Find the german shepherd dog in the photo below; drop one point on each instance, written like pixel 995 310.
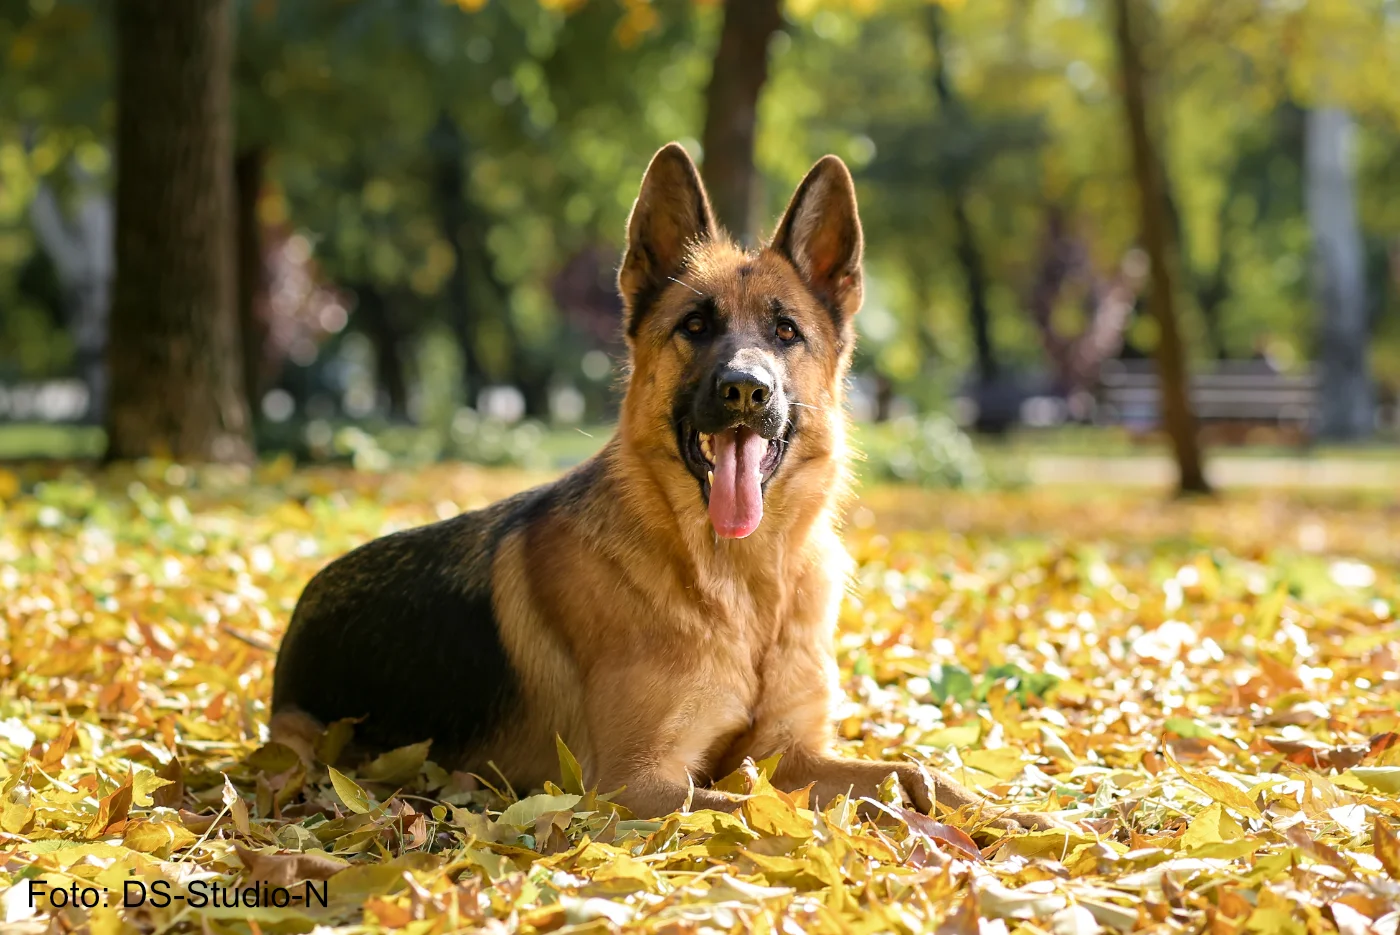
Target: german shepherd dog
pixel 668 607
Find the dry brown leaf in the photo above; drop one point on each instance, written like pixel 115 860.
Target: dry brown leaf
pixel 284 869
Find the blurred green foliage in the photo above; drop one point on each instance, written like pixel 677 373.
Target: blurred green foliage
pixel 551 109
pixel 931 451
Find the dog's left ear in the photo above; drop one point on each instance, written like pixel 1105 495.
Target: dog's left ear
pixel 820 234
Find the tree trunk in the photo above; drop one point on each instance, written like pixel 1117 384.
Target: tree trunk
pixel 1210 293
pixel 449 182
pixel 378 323
pixel 930 347
pixel 731 110
pixel 975 277
pixel 477 291
pixel 252 275
pixel 1173 380
pixel 968 252
pixel 176 380
pixel 1346 402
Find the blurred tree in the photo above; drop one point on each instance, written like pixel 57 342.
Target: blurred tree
pixel 1336 73
pixel 1173 379
pixel 968 252
pixel 376 314
pixel 251 275
pixel 942 193
pixel 465 294
pixel 292 111
pixel 1339 280
pixel 561 102
pixel 55 203
pixel 1107 302
pixel 176 377
pixel 737 78
pixel 81 250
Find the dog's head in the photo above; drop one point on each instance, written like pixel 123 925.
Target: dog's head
pixel 738 358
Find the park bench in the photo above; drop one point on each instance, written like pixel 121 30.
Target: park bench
pixel 1233 400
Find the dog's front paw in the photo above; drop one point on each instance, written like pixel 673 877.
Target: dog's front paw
pixel 1031 821
pixel 918 787
pixel 956 797
pixel 904 786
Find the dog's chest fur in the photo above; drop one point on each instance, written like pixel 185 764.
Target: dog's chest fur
pixel 735 616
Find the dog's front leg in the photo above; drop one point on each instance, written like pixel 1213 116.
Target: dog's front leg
pixel 646 733
pixel 649 794
pixel 921 786
pixel 858 779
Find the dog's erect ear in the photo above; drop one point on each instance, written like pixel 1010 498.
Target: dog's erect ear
pixel 671 214
pixel 820 234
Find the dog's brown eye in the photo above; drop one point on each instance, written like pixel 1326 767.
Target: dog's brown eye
pixel 786 331
pixel 694 325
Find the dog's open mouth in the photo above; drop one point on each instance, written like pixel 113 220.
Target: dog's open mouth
pixel 733 466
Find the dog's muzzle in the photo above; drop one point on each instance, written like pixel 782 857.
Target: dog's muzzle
pixel 734 441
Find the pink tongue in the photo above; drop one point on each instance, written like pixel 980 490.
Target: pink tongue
pixel 736 497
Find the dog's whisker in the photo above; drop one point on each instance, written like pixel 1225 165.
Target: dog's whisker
pixel 682 282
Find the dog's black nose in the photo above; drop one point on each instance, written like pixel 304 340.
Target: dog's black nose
pixel 746 390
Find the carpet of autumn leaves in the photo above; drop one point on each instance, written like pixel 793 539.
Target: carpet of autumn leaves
pixel 1207 693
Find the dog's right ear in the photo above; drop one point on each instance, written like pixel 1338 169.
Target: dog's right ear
pixel 672 213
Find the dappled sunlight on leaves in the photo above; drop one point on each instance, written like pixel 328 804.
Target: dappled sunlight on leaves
pixel 1206 694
